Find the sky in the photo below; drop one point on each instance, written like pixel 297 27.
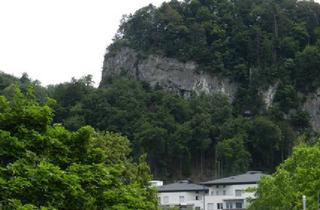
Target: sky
pixel 55 40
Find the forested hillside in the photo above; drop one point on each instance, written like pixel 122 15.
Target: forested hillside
pixel 257 45
pixel 254 43
pixel 197 137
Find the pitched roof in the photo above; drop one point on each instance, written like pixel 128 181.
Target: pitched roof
pixel 181 186
pixel 251 177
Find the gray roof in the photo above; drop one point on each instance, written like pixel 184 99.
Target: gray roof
pixel 251 177
pixel 181 186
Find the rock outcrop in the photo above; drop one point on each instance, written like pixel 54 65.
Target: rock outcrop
pixel 168 73
pixel 185 78
pixel 312 107
pixel 269 94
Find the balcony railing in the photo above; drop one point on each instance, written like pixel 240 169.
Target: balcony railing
pixel 234 209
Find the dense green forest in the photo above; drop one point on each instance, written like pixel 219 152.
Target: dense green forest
pixel 252 42
pixel 256 43
pixel 45 166
pixel 200 137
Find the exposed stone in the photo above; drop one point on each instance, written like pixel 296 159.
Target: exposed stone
pixel 185 78
pixel 268 95
pixel 312 107
pixel 169 73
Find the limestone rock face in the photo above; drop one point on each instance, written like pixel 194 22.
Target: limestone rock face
pixel 312 107
pixel 269 94
pixel 182 78
pixel 185 78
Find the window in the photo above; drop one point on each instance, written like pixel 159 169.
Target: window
pixel 224 192
pixel 238 192
pixel 165 199
pixel 229 205
pixel 212 192
pixel 198 197
pixel 159 199
pixel 238 205
pixel 217 192
pixel 210 206
pixel 181 199
pixel 219 205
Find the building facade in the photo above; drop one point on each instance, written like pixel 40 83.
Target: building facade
pixel 229 193
pixel 182 195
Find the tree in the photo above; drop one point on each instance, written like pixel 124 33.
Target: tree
pixel 234 155
pixel 297 176
pixel 48 167
pixel 307 69
pixel 264 141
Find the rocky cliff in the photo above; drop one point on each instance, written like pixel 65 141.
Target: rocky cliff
pixel 312 107
pixel 168 73
pixel 185 78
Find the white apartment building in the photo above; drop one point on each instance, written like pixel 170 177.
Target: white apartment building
pixel 156 183
pixel 228 193
pixel 182 194
pixel 231 192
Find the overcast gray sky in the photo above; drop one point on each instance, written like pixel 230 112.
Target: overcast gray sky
pixel 54 40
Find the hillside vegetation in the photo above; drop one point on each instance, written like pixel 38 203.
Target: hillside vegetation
pixel 254 43
pixel 74 146
pixel 45 166
pixel 199 137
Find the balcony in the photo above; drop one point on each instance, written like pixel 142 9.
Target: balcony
pixel 235 209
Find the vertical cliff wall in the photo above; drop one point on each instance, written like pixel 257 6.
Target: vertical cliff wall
pixel 169 73
pixel 185 78
pixel 312 107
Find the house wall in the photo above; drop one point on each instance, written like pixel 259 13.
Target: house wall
pixel 217 194
pixel 227 193
pixel 190 199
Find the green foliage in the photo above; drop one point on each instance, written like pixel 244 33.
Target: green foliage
pixel 173 131
pixel 181 137
pixel 297 176
pixel 307 69
pixel 222 35
pixel 8 82
pixel 286 98
pixel 253 42
pixel 22 114
pixel 48 167
pixel 234 155
pixel 264 143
